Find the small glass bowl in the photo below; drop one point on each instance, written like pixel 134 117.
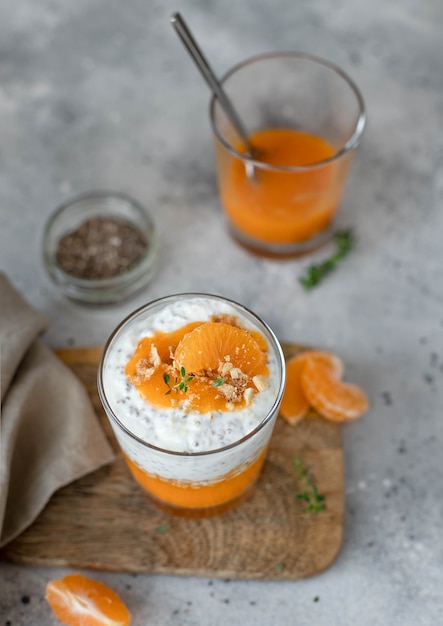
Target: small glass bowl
pixel 100 204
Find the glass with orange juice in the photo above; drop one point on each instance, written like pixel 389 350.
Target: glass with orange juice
pixel 304 118
pixel 192 385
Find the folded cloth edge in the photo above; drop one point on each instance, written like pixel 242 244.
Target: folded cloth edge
pixel 44 445
pixel 20 325
pixel 50 435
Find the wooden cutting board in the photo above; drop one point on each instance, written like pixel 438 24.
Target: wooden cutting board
pixel 103 521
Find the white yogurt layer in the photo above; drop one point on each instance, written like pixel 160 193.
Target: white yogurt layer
pixel 172 429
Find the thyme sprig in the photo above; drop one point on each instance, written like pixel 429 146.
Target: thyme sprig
pixel 179 384
pixel 315 501
pixel 218 382
pixel 345 241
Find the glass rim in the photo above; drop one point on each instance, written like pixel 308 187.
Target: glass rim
pixel 350 145
pixel 110 413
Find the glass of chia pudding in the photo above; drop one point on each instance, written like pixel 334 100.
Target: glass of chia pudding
pixel 192 385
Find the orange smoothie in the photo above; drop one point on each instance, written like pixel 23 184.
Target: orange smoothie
pixel 281 206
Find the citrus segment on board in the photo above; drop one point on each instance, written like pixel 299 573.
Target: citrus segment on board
pixel 332 398
pixel 295 404
pixel 313 379
pixel 81 601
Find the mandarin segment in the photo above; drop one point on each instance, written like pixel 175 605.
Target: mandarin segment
pixel 81 601
pixel 164 343
pixel 329 359
pixel 212 343
pixel 332 398
pixel 295 404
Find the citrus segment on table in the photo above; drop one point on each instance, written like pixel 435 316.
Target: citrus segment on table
pixel 295 404
pixel 81 601
pixel 206 366
pixel 332 398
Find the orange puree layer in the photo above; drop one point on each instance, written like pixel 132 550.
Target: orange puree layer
pixel 198 495
pixel 278 206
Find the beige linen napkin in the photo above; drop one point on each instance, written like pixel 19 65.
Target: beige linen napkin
pixel 49 433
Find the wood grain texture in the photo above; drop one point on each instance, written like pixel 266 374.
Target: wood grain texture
pixel 103 521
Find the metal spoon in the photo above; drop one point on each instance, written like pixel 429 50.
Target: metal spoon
pixel 200 60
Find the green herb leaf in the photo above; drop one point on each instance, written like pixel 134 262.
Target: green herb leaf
pixel 344 242
pixel 315 501
pixel 167 380
pixel 179 384
pixel 218 382
pixel 280 567
pixel 162 529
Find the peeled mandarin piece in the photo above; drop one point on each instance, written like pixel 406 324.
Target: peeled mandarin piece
pixel 212 343
pixel 329 359
pixel 295 404
pixel 81 601
pixel 331 397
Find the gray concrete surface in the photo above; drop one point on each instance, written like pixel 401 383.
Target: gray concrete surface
pixel 100 94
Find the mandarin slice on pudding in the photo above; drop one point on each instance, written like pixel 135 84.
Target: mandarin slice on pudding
pixel 211 366
pixel 226 362
pixel 215 343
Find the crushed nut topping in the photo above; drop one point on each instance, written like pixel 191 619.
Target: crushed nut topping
pixel 143 371
pixel 154 356
pixel 225 368
pixel 224 318
pixel 146 367
pixel 261 382
pixel 248 395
